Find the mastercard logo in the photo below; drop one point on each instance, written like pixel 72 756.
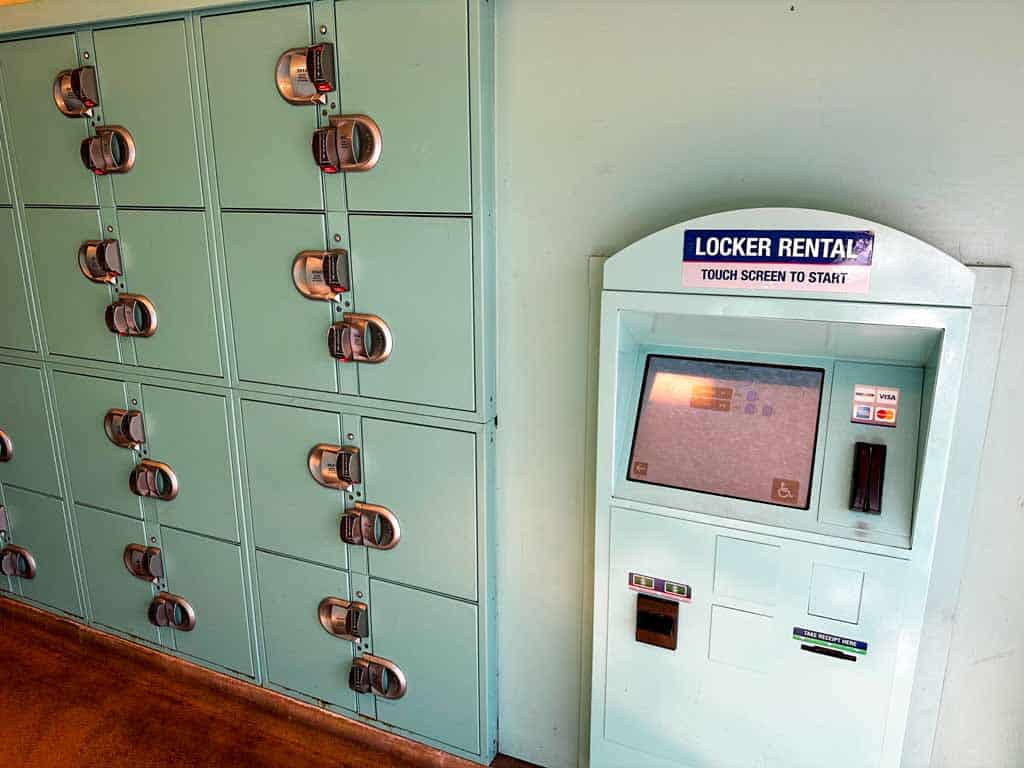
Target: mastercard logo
pixel 885 414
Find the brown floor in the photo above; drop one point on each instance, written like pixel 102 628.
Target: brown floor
pixel 76 697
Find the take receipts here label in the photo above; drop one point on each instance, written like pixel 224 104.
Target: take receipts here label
pixel 782 260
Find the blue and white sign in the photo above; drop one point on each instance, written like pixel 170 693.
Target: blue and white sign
pixel 833 261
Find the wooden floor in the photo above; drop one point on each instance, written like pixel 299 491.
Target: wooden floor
pixel 76 697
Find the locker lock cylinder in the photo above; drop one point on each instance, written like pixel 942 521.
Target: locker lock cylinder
pixel 125 429
pixel 381 677
pixel 144 563
pixel 322 275
pixel 153 480
pixel 306 75
pixel 131 315
pixel 6 446
pixel 100 260
pixel 360 338
pixel 344 619
pixel 172 611
pixel 75 92
pixel 111 150
pixel 370 525
pixel 18 562
pixel 335 466
pixel 349 144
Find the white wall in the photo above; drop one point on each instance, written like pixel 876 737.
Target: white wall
pixel 615 119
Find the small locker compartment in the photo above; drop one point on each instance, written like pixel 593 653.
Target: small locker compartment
pixel 431 683
pixel 146 88
pixel 38 550
pixel 400 62
pixel 167 258
pixel 73 305
pixel 426 478
pixel 104 434
pixel 123 570
pixel 291 513
pixel 416 275
pixel 261 142
pixel 280 335
pixel 45 144
pixel 188 475
pixel 27 457
pixel 311 628
pixel 16 329
pixel 205 605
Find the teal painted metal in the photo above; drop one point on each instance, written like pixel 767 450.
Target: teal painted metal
pixel 32 463
pixel 740 689
pixel 16 330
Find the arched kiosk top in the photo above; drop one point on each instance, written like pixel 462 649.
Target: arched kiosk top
pixel 881 264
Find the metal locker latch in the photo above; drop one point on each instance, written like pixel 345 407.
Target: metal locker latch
pixel 111 150
pixel 6 447
pixel 322 274
pixel 370 525
pixel 17 561
pixel 144 563
pixel 350 144
pixel 372 674
pixel 131 315
pixel 335 466
pixel 344 619
pixel 75 92
pixel 172 611
pixel 125 429
pixel 154 480
pixel 306 75
pixel 100 260
pixel 360 338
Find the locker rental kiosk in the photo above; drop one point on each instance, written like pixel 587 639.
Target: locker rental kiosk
pixel 780 404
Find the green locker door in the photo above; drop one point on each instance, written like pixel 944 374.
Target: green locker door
pixel 119 599
pixel 427 478
pixel 98 469
pixel 291 512
pixel 16 329
pixel 146 87
pixel 167 257
pixel 406 65
pixel 261 142
pixel 38 525
pixel 301 655
pixel 6 190
pixel 72 306
pixel 433 640
pixel 33 463
pixel 417 275
pixel 45 143
pixel 7 584
pixel 208 574
pixel 189 432
pixel 280 335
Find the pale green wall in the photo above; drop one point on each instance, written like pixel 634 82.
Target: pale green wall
pixel 615 119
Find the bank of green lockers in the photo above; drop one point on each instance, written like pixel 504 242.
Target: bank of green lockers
pixel 246 350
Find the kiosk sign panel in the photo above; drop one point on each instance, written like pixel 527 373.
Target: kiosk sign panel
pixel 737 429
pixel 792 260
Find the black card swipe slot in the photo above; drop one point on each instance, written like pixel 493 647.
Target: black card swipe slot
pixel 827 652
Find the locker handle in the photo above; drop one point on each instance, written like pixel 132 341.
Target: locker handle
pixel 322 275
pixel 111 150
pixel 172 611
pixel 154 480
pixel 124 429
pixel 144 562
pixel 100 260
pixel 370 525
pixel 131 315
pixel 75 92
pixel 344 619
pixel 306 75
pixel 360 338
pixel 376 675
pixel 17 561
pixel 6 447
pixel 335 466
pixel 349 144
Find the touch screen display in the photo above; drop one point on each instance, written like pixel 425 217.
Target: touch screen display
pixel 734 429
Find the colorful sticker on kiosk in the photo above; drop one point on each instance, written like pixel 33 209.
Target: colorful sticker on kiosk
pixel 824 640
pixel 831 261
pixel 651 585
pixel 875 405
